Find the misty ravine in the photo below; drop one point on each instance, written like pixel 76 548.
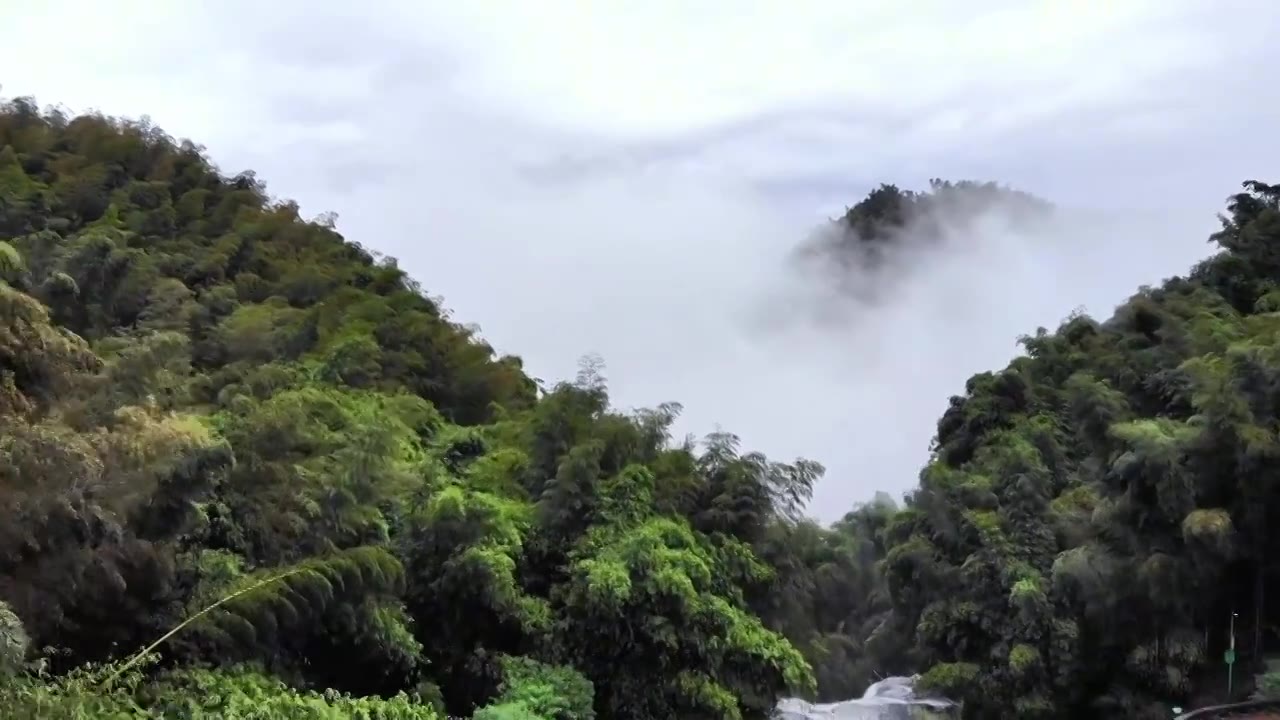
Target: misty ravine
pixel 250 469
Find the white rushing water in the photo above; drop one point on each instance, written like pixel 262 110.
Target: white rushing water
pixel 892 698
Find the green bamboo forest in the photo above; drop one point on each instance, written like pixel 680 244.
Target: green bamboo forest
pixel 249 469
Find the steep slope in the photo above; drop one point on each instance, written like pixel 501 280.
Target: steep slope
pixel 216 412
pixel 1095 513
pixel 1130 467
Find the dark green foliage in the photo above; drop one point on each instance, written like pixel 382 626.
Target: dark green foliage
pixel 221 420
pixel 1097 511
pixel 873 230
pixel 232 434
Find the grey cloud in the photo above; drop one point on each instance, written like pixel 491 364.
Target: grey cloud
pixel 659 254
pixel 559 244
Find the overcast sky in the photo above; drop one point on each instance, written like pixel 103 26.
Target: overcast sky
pixel 624 178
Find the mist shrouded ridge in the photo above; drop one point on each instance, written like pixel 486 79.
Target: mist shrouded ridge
pixel 875 318
pixel 880 244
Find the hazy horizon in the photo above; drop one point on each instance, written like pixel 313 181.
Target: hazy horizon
pixel 629 180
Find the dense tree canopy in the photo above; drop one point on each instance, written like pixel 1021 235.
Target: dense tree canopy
pixel 219 414
pixel 229 429
pixel 1093 515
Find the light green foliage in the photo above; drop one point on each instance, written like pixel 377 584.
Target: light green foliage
pixel 263 332
pixel 634 561
pixel 987 523
pixel 531 690
pixel 949 678
pixel 240 693
pixel 318 466
pixel 11 264
pixel 232 694
pixel 1023 658
pixel 1210 527
pixel 14 642
pixel 485 534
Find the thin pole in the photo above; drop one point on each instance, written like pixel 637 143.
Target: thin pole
pixel 243 591
pixel 1231 666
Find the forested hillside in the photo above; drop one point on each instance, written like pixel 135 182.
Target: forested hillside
pixel 204 399
pixel 1093 515
pixel 221 419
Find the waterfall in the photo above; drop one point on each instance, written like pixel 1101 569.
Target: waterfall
pixel 892 698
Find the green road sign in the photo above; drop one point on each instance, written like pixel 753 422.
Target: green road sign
pixel 1229 657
